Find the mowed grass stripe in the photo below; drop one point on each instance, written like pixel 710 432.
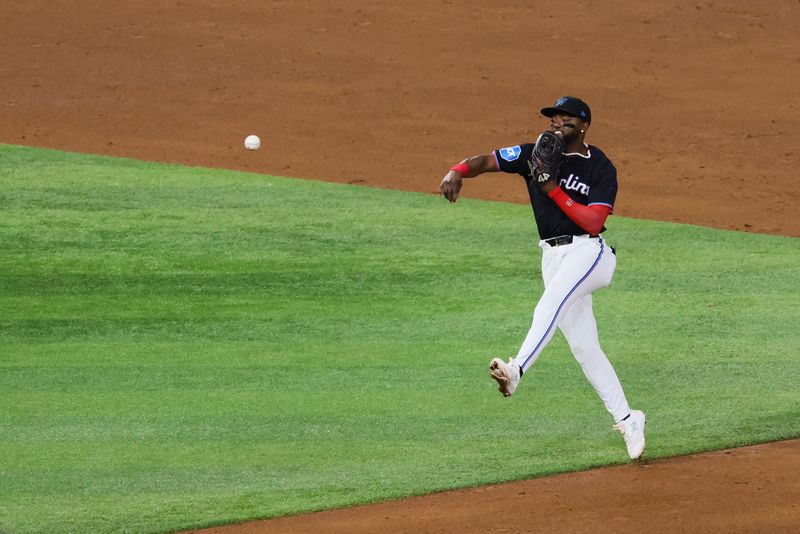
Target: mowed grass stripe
pixel 185 347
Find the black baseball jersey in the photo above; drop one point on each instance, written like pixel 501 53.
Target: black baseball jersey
pixel 588 180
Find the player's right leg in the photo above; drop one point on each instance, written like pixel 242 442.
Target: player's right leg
pixel 580 330
pixel 570 272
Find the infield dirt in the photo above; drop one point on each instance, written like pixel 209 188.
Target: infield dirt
pixel 694 101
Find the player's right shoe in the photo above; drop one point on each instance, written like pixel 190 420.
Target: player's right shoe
pixel 506 374
pixel 632 429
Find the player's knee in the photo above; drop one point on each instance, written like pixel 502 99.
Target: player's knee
pixel 585 353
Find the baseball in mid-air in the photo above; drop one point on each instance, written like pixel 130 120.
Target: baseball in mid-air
pixel 252 142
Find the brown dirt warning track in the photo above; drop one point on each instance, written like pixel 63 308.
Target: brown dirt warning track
pixel 696 102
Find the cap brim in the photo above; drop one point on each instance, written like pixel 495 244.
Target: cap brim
pixel 549 112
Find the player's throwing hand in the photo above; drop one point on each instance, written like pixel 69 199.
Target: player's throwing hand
pixel 451 185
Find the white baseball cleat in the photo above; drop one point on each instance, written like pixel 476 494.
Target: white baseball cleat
pixel 506 374
pixel 632 430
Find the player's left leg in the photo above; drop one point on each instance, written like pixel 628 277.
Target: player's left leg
pixel 580 329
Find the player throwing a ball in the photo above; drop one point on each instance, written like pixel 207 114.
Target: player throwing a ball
pixel 572 188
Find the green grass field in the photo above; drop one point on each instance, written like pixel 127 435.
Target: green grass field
pixel 183 347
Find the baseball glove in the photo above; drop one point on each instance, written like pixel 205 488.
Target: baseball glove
pixel 546 156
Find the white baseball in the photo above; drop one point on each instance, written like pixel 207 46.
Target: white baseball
pixel 252 142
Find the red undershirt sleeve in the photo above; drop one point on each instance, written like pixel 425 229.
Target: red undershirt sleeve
pixel 590 218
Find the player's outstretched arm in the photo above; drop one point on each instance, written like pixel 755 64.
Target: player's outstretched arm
pixel 469 168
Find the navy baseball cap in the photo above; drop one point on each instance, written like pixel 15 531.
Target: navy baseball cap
pixel 569 105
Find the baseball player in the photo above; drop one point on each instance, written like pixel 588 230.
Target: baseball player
pixel 572 190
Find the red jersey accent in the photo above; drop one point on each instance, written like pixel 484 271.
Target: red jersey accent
pixel 590 218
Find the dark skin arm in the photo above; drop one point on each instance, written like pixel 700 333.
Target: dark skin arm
pixel 477 165
pixel 573 130
pixel 548 186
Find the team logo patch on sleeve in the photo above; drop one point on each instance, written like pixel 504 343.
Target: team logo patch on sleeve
pixel 510 153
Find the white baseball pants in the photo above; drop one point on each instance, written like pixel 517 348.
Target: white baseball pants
pixel 571 273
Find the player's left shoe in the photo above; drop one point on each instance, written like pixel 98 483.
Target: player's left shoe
pixel 506 374
pixel 632 429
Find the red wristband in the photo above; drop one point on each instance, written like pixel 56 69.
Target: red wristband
pixel 462 168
